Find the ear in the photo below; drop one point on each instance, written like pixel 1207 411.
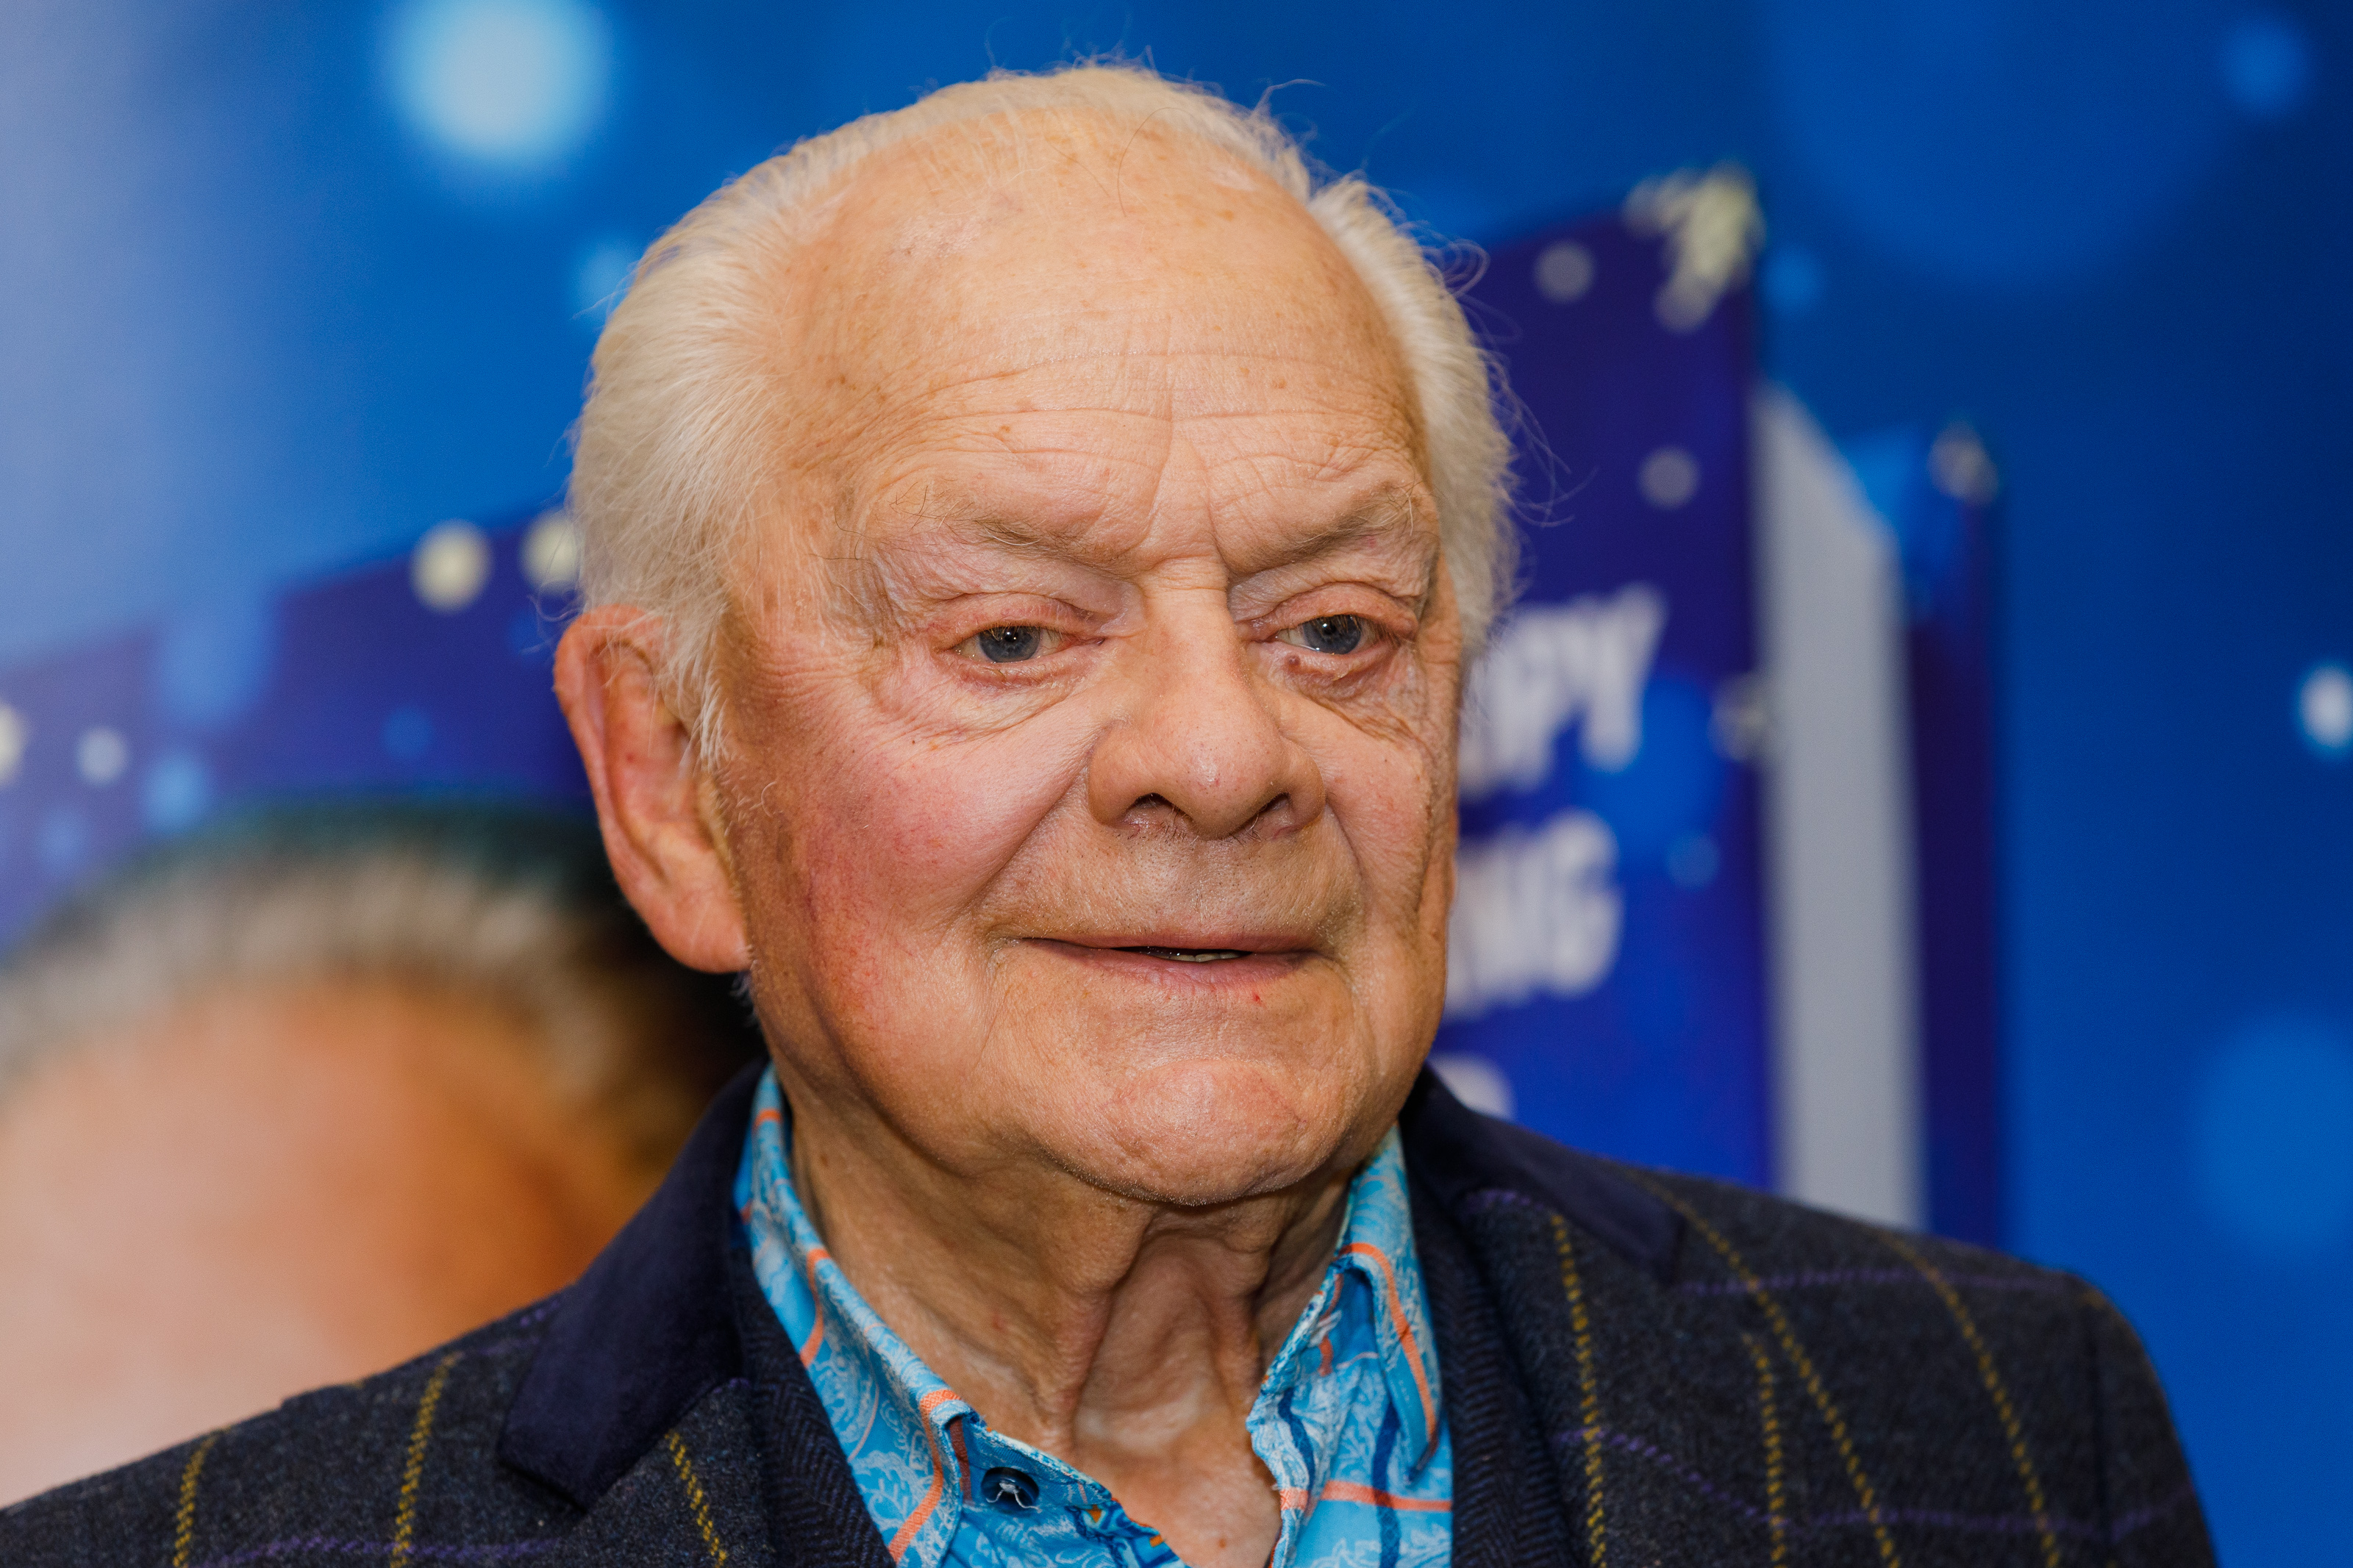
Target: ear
pixel 660 821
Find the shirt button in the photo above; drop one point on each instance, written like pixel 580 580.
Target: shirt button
pixel 1010 1489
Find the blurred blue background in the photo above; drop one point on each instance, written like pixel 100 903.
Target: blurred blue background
pixel 285 285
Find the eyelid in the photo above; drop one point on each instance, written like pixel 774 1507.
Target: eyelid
pixel 1383 615
pixel 969 616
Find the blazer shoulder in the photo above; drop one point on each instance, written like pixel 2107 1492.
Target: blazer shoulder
pixel 2022 1368
pixel 1950 1393
pixel 1730 1229
pixel 352 1465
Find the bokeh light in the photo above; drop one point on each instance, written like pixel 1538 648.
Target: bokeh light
pixel 176 792
pixel 449 565
pixel 2274 1139
pixel 515 84
pixel 1564 271
pixel 101 755
pixel 600 275
pixel 1668 477
pixel 1992 144
pixel 550 552
pixel 1792 280
pixel 2267 65
pixel 2324 709
pixel 15 736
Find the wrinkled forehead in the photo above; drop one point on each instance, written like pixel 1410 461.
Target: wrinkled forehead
pixel 1024 262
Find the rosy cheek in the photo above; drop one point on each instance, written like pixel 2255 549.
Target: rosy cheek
pixel 915 828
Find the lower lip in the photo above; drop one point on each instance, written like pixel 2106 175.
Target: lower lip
pixel 1251 969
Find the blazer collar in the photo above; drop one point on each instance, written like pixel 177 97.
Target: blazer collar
pixel 647 1330
pixel 651 1327
pixel 1462 1156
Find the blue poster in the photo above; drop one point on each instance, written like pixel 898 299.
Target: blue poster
pixel 1607 980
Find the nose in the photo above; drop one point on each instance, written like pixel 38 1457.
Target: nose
pixel 1199 739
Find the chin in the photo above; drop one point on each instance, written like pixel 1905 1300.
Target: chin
pixel 1199 1133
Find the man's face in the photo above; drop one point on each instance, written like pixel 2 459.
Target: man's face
pixel 1090 679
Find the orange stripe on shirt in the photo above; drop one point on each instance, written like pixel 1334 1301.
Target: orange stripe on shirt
pixel 932 1494
pixel 1349 1491
pixel 1404 1333
pixel 817 1307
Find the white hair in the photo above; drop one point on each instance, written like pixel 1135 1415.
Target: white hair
pixel 682 407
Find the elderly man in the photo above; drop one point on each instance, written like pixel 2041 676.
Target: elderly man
pixel 1034 539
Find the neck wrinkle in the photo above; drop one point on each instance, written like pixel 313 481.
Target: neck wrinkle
pixel 1066 1330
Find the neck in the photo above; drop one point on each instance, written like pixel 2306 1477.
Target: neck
pixel 1128 1338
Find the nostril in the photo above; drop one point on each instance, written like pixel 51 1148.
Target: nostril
pixel 1152 803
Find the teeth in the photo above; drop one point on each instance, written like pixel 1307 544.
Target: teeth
pixel 1189 954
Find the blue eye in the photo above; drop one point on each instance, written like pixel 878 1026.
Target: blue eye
pixel 1329 634
pixel 1010 645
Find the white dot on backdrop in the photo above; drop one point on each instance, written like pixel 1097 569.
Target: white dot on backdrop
pixel 1959 466
pixel 15 736
pixel 449 565
pixel 1475 1081
pixel 1564 271
pixel 516 83
pixel 2324 707
pixel 550 552
pixel 101 755
pixel 1668 477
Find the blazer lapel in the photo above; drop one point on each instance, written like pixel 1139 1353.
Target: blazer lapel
pixel 1507 1499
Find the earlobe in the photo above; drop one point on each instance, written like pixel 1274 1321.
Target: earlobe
pixel 648 786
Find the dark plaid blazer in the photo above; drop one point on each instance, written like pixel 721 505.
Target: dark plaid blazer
pixel 1640 1368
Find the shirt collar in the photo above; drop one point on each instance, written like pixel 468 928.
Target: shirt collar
pixel 1377 1248
pixel 921 1454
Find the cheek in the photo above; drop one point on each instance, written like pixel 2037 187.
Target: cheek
pixel 1393 798
pixel 886 841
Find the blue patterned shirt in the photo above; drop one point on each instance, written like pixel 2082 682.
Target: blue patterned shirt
pixel 1348 1420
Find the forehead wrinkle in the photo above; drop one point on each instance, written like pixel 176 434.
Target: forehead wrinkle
pixel 1387 526
pixel 965 520
pixel 882 262
pixel 887 348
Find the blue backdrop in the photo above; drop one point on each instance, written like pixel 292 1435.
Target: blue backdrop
pixel 286 285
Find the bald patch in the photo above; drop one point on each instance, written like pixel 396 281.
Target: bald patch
pixel 949 269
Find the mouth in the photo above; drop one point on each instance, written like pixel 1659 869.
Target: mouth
pixel 1190 955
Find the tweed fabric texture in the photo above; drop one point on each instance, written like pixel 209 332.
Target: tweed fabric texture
pixel 1638 1369
pixel 1816 1391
